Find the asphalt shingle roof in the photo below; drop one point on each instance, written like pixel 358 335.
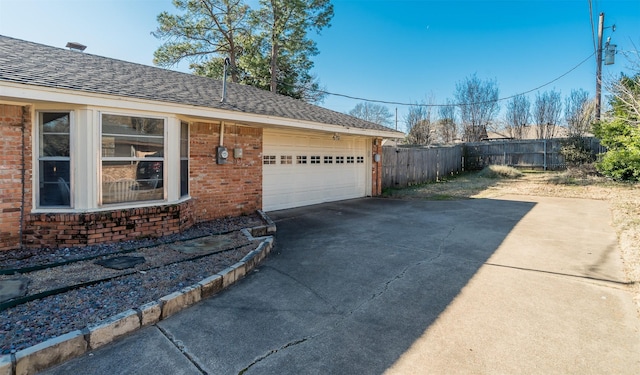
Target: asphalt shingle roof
pixel 40 65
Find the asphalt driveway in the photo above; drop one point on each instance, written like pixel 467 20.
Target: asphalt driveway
pixel 372 286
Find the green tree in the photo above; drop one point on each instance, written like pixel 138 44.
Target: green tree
pixel 268 48
pixel 620 132
pixel 282 28
pixel 205 34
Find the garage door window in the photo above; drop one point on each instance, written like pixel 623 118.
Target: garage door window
pixel 301 160
pixel 328 159
pixel 315 160
pixel 339 159
pixel 360 159
pixel 286 159
pixel 268 159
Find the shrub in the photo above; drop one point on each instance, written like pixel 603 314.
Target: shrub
pixel 575 152
pixel 621 164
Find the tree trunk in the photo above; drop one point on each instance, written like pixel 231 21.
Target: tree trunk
pixel 274 66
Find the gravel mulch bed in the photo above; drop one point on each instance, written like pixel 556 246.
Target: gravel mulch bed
pixel 33 322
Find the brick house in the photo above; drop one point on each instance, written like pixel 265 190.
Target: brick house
pixel 98 150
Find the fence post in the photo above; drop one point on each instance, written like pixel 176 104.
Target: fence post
pixel 545 155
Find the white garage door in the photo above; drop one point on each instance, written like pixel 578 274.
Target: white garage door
pixel 300 169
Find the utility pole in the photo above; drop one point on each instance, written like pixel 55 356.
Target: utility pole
pixel 396 118
pixel 599 66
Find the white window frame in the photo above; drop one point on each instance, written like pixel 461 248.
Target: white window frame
pixel 37 127
pixel 182 158
pixel 85 161
pixel 165 158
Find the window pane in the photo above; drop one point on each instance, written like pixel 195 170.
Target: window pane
pixel 184 177
pixel 184 159
pixel 54 134
pixel 130 181
pixel 54 183
pixel 132 147
pixel 54 145
pixel 184 140
pixel 131 137
pixel 55 122
pixel 138 143
pixel 129 125
pixel 54 159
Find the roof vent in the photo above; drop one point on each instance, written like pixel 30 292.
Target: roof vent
pixel 73 46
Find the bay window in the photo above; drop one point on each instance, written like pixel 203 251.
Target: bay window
pixel 85 159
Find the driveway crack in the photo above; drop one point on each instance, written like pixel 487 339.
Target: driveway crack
pixel 272 352
pixel 180 346
pixel 400 275
pixel 316 294
pixel 438 254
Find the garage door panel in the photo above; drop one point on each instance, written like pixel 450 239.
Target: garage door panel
pixel 293 185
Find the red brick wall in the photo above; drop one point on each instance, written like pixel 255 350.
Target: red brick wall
pixel 217 191
pixel 81 229
pixel 231 189
pixel 13 119
pixel 376 173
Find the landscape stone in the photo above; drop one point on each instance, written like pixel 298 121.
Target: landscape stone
pixel 5 365
pixel 112 328
pixel 174 302
pixel 121 263
pixel 149 313
pixel 202 245
pixel 51 352
pixel 210 285
pixel 12 288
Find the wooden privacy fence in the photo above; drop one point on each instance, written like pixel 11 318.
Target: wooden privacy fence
pixel 532 153
pixel 405 166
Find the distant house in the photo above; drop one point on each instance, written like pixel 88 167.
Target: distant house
pixel 100 150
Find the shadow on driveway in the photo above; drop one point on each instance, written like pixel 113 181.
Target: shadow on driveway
pixel 351 285
pixel 372 286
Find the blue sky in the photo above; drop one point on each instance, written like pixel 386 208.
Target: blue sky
pixel 395 51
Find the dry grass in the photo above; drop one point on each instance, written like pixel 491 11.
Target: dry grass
pixel 624 200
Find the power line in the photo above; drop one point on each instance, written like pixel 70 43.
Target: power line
pixel 593 28
pixel 456 104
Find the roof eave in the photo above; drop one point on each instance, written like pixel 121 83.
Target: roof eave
pixel 23 93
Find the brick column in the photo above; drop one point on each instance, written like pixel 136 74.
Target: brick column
pixel 376 173
pixel 13 154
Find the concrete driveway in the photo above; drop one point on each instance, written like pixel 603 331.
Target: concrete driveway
pixel 372 286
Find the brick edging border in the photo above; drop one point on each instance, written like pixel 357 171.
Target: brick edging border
pixel 76 343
